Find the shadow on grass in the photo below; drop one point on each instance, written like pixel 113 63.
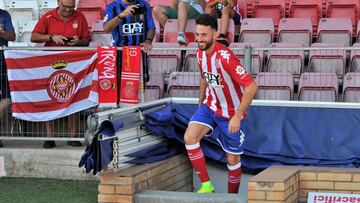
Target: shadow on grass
pixel 38 190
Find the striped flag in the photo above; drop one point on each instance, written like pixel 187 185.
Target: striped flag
pixel 46 85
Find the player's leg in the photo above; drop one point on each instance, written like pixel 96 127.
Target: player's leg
pixel 232 144
pixel 199 126
pixel 234 172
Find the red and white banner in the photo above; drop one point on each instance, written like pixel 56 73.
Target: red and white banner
pixel 46 85
pixel 107 77
pixel 130 75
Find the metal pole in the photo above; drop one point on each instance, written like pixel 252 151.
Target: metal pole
pixel 248 58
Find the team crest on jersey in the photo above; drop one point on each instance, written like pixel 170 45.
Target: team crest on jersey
pixel 225 54
pixel 212 79
pixel 240 70
pixel 61 86
pixel 75 25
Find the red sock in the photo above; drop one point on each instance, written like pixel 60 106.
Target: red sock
pixel 197 159
pixel 234 176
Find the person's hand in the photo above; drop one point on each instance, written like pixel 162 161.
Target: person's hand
pixel 223 2
pixel 129 10
pixel 58 39
pixel 234 124
pixel 146 45
pixel 74 41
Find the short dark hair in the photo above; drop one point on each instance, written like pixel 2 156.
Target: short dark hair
pixel 207 20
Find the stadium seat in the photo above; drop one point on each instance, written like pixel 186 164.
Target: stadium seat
pixel 160 3
pixel 343 9
pixel 164 61
pixel 355 59
pixel 25 32
pixel 92 14
pixel 328 60
pixel 274 9
pixel 157 31
pixel 337 30
pixel 257 30
pixel 297 30
pixel 91 4
pixel 47 5
pixel 318 87
pixel 171 30
pixel 351 87
pixel 23 9
pixel 274 86
pixel 257 56
pixel 249 5
pixel 358 32
pixel 184 84
pixel 289 61
pixel 190 63
pixel 242 8
pixel 154 89
pixel 231 30
pixel 307 9
pixel 98 36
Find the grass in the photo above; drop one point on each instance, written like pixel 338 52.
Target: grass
pixel 38 190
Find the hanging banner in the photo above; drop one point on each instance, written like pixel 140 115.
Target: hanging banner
pixel 130 75
pixel 107 77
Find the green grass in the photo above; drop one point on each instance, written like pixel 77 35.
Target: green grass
pixel 39 190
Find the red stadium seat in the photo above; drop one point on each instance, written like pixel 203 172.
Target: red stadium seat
pixel 328 60
pixel 190 63
pixel 351 87
pixel 289 61
pixel 256 56
pixel 242 8
pixel 92 4
pixel 160 3
pixel 164 61
pixel 355 59
pixel 171 30
pixel 337 30
pixel 184 84
pixel 154 89
pixel 98 36
pixel 257 30
pixel 274 86
pixel 343 9
pixel 92 14
pixel 297 30
pixel 318 87
pixel 307 9
pixel 274 9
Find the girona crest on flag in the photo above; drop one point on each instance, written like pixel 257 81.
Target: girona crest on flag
pixel 61 86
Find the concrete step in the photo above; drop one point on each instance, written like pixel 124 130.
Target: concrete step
pixel 29 159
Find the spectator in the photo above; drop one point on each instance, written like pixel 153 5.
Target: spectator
pixel 181 10
pixel 121 15
pixel 223 9
pixel 62 26
pixel 7 34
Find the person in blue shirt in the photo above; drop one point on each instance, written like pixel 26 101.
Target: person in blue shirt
pixel 131 24
pixel 7 34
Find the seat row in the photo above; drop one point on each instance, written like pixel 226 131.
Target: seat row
pixel 271 86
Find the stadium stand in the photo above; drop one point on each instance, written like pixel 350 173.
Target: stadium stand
pixel 297 30
pixel 154 89
pixel 337 30
pixel 25 32
pixel 274 86
pixel 307 9
pixel 171 30
pixel 184 84
pixel 274 9
pixel 257 56
pixel 164 61
pixel 47 5
pixel 318 87
pixel 327 61
pixel 157 36
pixel 91 14
pixel 241 7
pixel 92 4
pixel 351 87
pixel 290 61
pixel 231 30
pixel 343 9
pixel 257 30
pixel 98 36
pixel 190 61
pixel 2 5
pixel 160 3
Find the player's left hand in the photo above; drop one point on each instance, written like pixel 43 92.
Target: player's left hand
pixel 147 46
pixel 74 41
pixel 234 124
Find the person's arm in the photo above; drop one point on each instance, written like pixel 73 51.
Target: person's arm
pixel 147 45
pixel 112 23
pixel 231 3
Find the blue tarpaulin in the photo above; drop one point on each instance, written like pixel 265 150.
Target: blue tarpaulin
pixel 277 135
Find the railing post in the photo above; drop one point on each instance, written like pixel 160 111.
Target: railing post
pixel 248 58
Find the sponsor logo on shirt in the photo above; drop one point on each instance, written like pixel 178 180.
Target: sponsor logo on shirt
pixel 212 79
pixel 133 29
pixel 240 70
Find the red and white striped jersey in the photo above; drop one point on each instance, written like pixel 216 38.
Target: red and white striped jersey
pixel 225 77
